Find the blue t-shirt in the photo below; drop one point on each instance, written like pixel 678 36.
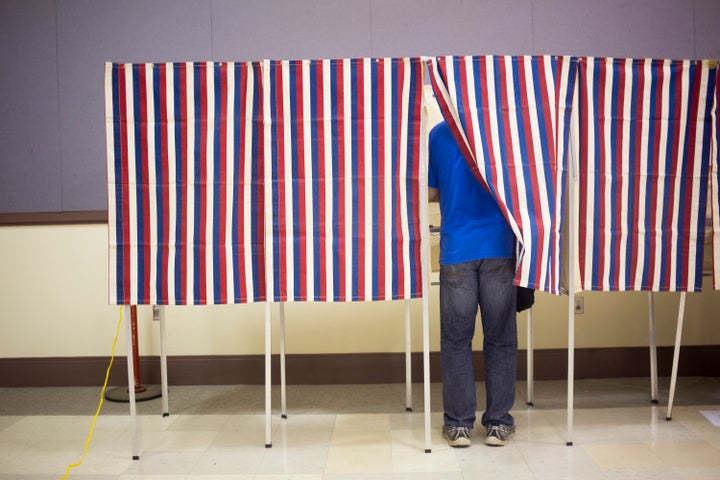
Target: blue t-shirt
pixel 473 227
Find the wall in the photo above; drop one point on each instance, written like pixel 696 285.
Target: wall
pixel 54 304
pixel 52 138
pixel 53 279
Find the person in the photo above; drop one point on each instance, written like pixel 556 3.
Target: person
pixel 477 267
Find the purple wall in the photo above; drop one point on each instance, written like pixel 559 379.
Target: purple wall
pixel 52 133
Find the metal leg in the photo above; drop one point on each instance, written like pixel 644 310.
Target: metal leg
pixel 408 360
pixel 530 364
pixel 425 259
pixel 653 350
pixel 268 375
pixel 131 385
pixel 572 190
pixel 676 355
pixel 571 368
pixel 163 360
pixel 426 370
pixel 283 396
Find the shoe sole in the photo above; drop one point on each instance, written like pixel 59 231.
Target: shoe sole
pixel 459 443
pixel 496 442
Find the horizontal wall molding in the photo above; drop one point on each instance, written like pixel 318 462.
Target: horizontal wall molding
pixel 346 368
pixel 54 218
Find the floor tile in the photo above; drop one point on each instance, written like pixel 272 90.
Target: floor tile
pixel 359 476
pixel 642 474
pixel 359 432
pixel 361 443
pixel 408 454
pixel 696 473
pixel 227 462
pixel 294 459
pixel 165 463
pixel 687 454
pixel 369 453
pixel 616 456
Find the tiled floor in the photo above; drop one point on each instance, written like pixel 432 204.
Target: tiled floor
pixel 360 432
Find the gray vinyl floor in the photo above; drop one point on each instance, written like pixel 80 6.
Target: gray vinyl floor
pixel 361 432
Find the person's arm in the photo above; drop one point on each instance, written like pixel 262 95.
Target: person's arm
pixel 433 194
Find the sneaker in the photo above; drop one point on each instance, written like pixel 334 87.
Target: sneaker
pixel 458 437
pixel 499 435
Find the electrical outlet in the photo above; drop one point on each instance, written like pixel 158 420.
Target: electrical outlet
pixel 579 305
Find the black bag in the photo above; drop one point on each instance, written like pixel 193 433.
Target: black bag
pixel 525 298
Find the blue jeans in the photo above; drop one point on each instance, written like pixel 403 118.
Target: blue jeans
pixel 487 283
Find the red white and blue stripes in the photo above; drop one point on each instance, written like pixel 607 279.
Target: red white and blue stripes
pixel 185 192
pixel 511 117
pixel 300 180
pixel 272 181
pixel 644 154
pixel 343 178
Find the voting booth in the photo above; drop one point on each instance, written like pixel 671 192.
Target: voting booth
pixel 305 181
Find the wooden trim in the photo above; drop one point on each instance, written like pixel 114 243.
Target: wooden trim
pixel 53 218
pixel 347 368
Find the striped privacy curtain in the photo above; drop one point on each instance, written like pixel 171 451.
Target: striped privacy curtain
pixel 185 192
pixel 644 153
pixel 342 142
pixel 511 117
pixel 281 181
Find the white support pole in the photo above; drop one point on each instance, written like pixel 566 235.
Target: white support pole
pixel 268 255
pixel 131 385
pixel 571 368
pixel 426 363
pixel 163 360
pixel 408 359
pixel 425 269
pixel 530 363
pixel 268 376
pixel 283 392
pixel 653 350
pixel 676 355
pixel 572 245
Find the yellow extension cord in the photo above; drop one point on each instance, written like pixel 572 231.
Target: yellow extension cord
pixel 102 396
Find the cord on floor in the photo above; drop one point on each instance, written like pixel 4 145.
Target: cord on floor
pixel 102 396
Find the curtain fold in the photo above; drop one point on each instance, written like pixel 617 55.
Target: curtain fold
pixel 511 118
